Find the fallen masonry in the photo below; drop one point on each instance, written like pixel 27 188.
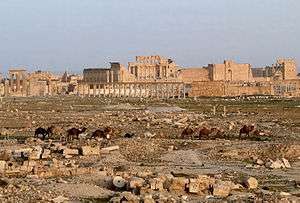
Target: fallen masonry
pixel 166 188
pixel 49 159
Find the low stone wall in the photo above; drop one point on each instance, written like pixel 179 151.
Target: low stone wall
pixel 220 88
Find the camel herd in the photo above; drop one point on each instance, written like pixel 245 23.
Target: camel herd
pixel 206 132
pixel 108 132
pixel 72 133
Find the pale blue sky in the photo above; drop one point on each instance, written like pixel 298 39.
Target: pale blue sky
pixel 72 34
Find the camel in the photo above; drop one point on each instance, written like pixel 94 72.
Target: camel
pixel 98 133
pixel 107 132
pixel 41 131
pixel 205 132
pixel 74 132
pixel 246 129
pixel 187 132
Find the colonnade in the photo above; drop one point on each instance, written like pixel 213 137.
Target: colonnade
pixel 139 90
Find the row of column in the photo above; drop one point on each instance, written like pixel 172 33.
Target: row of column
pixel 142 90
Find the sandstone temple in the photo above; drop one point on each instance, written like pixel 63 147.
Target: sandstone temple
pixel 159 77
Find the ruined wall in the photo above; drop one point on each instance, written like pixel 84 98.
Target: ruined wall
pixel 37 88
pixel 209 89
pixel 121 74
pixel 278 88
pixel 230 71
pixel 153 68
pixel 96 75
pixel 250 89
pixel 286 88
pixel 2 89
pixel 289 68
pixel 190 75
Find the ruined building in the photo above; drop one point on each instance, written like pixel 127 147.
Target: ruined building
pixel 148 76
pixel 156 76
pixel 38 83
pixel 232 79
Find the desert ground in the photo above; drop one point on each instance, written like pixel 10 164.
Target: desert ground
pixel 145 158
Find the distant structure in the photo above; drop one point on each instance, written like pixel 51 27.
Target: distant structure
pixel 38 83
pixel 159 77
pixel 232 79
pixel 148 76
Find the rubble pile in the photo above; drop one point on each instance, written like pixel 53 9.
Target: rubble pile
pixel 48 159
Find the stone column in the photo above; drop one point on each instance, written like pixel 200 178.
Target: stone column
pixel 162 92
pixel 173 91
pixel 140 91
pixel 18 82
pixel 107 76
pixel 178 86
pixel 119 90
pixel 124 90
pixel 112 90
pixel 94 90
pixel 104 90
pixel 24 88
pixel 112 76
pixel 11 83
pixel 109 90
pixel 168 91
pixel 6 88
pixel 184 91
pixel 130 90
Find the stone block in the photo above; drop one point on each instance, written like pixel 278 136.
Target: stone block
pixel 221 189
pixel 286 163
pixel 109 149
pixel 68 151
pixel 46 154
pixel 136 182
pixel 251 183
pixel 36 153
pixel 178 185
pixel 157 184
pixel 2 166
pixel 88 150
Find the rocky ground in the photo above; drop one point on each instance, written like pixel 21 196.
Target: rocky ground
pixel 155 164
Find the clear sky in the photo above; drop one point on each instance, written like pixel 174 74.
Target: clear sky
pixel 72 34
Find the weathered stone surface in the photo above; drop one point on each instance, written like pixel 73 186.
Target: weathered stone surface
pixel 36 153
pixel 275 164
pixel 60 199
pixel 136 182
pixel 286 163
pixel 109 149
pixel 88 150
pixel 260 162
pixel 2 166
pixel 149 199
pixel 221 189
pixel 69 151
pixel 157 184
pixel 46 154
pixel 251 183
pixel 119 182
pixel 178 185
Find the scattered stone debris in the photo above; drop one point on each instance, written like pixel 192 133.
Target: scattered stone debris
pixel 145 159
